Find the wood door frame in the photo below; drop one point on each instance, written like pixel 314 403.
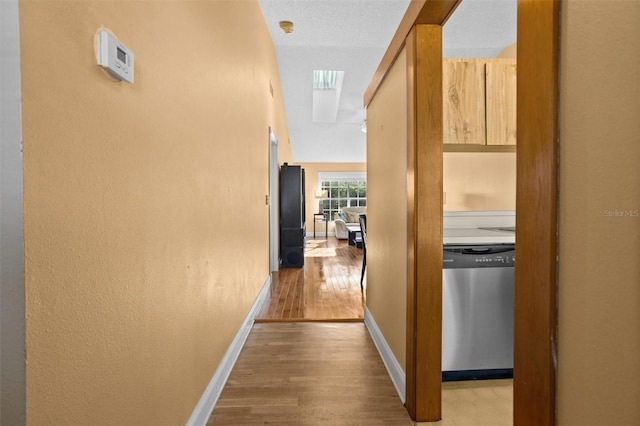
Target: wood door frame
pixel 535 348
pixel 536 217
pixel 274 216
pixel 424 223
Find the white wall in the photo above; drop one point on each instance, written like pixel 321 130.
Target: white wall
pixel 12 372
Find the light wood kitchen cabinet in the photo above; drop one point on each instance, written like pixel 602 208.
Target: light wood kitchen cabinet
pixel 464 102
pixel 479 102
pixel 501 101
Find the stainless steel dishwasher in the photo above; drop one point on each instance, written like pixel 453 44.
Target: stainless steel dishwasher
pixel 477 311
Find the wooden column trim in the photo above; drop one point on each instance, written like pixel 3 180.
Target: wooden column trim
pixel 536 218
pixel 418 12
pixel 424 233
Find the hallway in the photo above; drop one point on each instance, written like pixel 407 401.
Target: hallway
pixel 309 373
pixel 326 288
pixel 309 359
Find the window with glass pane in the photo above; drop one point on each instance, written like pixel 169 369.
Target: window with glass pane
pixel 342 193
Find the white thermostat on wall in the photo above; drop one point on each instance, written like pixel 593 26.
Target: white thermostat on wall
pixel 115 57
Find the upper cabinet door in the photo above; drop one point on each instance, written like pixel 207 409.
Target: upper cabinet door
pixel 464 101
pixel 501 101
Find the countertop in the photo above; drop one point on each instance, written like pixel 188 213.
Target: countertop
pixel 466 227
pixel 476 236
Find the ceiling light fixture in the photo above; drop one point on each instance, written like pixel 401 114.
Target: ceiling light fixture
pixel 287 26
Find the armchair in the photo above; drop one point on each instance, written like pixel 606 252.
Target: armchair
pixel 347 216
pixel 341 229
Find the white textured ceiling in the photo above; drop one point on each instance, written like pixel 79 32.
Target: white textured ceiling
pixel 352 36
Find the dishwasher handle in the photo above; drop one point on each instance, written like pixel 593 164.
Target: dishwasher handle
pixel 471 250
pixel 478 256
pixel 477 250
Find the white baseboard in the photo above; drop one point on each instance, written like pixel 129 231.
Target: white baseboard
pixel 209 398
pixel 398 376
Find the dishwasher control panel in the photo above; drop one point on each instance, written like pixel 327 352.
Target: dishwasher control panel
pixel 457 256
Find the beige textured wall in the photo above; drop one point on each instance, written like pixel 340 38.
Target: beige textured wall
pixel 599 234
pixel 479 181
pixel 387 208
pixel 146 230
pixel 311 182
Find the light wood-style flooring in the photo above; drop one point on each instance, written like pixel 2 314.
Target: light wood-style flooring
pixel 477 403
pixel 302 366
pixel 326 288
pixel 309 373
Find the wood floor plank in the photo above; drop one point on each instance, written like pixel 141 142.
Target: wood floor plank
pixel 326 288
pixel 306 373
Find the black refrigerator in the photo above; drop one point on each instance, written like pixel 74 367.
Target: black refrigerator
pixel 292 216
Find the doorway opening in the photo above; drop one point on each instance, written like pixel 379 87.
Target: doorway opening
pixel 479 195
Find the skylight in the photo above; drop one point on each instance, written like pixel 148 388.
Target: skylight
pixel 324 79
pixel 327 88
